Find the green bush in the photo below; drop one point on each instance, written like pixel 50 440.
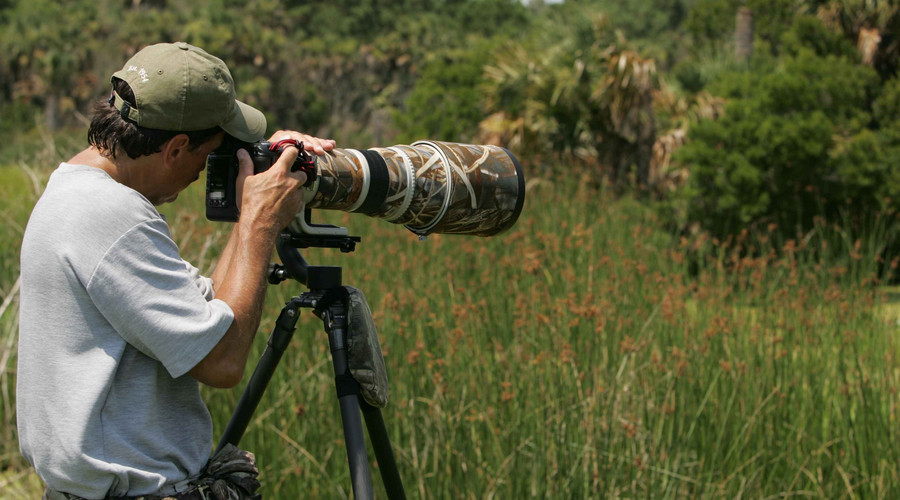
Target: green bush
pixel 809 32
pixel 795 144
pixel 445 103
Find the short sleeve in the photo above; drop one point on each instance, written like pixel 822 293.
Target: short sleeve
pixel 153 299
pixel 203 283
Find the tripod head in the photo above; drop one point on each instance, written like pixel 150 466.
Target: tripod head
pixel 304 234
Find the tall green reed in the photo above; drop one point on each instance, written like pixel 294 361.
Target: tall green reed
pixel 587 353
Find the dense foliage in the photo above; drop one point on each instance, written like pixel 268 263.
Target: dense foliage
pixel 800 139
pixel 792 145
pixel 786 119
pixel 317 65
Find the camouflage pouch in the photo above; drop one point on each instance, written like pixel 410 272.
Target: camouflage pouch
pixel 364 355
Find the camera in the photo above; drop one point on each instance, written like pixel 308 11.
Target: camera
pixel 222 170
pixel 427 186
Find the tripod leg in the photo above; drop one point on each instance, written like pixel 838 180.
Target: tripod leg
pixel 354 439
pixel 335 319
pixel 278 342
pixel 383 452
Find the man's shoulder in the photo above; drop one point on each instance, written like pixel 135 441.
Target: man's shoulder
pixel 79 195
pixel 83 212
pixel 93 185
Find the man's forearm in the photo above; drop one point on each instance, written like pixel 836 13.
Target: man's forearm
pixel 240 281
pixel 221 269
pixel 270 200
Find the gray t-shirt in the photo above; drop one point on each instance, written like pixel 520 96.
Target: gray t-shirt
pixel 111 320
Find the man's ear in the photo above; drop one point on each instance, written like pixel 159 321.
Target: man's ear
pixel 175 148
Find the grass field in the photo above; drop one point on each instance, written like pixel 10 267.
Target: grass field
pixel 586 353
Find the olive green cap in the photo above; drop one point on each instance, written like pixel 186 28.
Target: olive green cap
pixel 180 87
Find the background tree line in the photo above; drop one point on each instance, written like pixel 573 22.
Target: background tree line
pixel 735 114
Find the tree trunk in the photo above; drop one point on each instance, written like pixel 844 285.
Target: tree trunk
pixel 743 34
pixel 51 112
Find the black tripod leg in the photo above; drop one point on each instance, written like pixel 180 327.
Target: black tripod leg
pixel 381 444
pixel 278 342
pixel 335 319
pixel 355 441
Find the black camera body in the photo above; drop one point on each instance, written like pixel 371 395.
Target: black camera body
pixel 222 170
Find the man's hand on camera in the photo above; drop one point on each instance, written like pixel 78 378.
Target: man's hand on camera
pixel 314 145
pixel 271 199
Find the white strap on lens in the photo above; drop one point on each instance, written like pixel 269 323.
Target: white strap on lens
pixel 448 189
pixel 364 192
pixel 410 174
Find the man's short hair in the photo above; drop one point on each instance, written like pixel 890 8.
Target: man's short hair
pixel 166 89
pixel 112 134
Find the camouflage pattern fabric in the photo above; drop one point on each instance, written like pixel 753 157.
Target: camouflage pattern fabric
pixel 230 475
pixel 433 187
pixel 364 355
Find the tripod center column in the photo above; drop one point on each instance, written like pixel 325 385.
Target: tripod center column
pixel 324 277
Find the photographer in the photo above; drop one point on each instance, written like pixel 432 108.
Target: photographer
pixel 116 330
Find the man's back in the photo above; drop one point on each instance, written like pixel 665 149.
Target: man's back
pixel 111 320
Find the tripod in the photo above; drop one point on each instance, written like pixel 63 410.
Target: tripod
pixel 330 305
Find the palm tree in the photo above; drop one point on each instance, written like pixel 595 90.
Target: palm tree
pixel 626 128
pixel 593 103
pixel 872 25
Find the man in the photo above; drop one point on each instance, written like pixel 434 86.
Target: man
pixel 116 330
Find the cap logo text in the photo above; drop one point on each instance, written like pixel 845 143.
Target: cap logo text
pixel 141 72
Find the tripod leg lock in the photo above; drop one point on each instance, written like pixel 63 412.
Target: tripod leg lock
pixel 346 385
pixel 285 326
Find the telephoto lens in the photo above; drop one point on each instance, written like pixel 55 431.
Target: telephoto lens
pixel 429 186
